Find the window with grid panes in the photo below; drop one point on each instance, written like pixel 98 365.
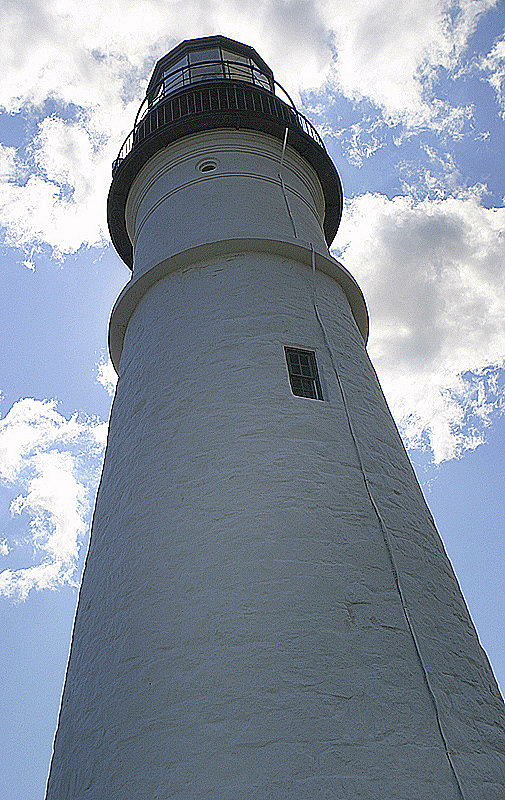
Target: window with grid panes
pixel 303 375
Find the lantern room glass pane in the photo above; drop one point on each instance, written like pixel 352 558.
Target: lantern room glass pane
pixel 237 66
pixel 176 75
pixel 211 63
pixel 205 64
pixel 261 80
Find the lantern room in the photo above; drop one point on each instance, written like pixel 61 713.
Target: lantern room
pixel 213 58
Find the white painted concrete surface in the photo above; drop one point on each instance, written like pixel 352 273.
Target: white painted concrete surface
pixel 240 634
pixel 173 206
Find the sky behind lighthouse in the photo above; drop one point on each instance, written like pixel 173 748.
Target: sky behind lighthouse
pixel 409 98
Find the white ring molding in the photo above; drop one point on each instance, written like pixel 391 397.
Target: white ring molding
pixel 133 292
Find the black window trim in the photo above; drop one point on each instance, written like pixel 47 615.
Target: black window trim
pixel 304 380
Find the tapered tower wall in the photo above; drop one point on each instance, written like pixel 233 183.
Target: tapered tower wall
pixel 240 631
pixel 267 611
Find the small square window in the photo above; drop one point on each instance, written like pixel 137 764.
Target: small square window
pixel 303 376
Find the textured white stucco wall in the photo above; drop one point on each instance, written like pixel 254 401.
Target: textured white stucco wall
pixel 173 206
pixel 239 632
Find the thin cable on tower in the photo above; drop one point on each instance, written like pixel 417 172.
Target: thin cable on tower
pixel 384 530
pixel 282 182
pixel 284 147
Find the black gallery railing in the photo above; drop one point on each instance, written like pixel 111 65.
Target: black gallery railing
pixel 215 96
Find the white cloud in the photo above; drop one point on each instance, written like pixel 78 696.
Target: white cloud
pixel 53 461
pixel 432 275
pixel 57 195
pixel 51 50
pixel 386 49
pixel 390 52
pixel 17 584
pixel 106 375
pixel 493 66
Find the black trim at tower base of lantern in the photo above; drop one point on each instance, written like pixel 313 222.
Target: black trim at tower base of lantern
pixel 215 105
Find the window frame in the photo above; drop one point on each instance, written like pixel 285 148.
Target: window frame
pixel 308 371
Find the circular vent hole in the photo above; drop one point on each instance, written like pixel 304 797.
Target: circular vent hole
pixel 207 166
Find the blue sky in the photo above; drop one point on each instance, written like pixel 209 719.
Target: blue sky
pixel 410 99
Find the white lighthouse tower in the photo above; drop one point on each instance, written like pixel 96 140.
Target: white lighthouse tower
pixel 267 611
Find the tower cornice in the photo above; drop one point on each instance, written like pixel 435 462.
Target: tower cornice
pixel 135 289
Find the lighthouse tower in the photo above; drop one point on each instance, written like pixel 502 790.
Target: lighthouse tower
pixel 267 611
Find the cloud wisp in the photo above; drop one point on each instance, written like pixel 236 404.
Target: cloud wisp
pixel 106 375
pixel 492 66
pixel 54 463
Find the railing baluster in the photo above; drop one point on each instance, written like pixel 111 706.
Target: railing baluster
pixel 227 94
